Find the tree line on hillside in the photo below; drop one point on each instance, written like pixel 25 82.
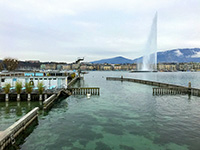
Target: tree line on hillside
pixel 9 64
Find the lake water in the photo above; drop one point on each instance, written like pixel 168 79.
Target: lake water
pixel 126 116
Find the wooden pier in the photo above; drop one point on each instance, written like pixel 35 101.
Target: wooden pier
pixel 9 135
pixel 166 88
pixel 85 91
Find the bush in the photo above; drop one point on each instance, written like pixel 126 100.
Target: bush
pixel 7 88
pixel 40 87
pixel 28 87
pixel 18 87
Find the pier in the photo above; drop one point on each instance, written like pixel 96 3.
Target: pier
pixel 8 136
pixel 165 88
pixel 85 91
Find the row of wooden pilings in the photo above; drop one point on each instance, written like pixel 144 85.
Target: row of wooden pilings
pixel 85 91
pixel 164 88
pixel 169 91
pixel 24 97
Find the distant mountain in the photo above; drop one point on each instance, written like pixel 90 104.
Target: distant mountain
pixel 177 56
pixel 169 56
pixel 115 60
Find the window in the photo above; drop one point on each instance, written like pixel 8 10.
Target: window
pixel 45 78
pixel 3 80
pixel 54 78
pixel 40 78
pixel 50 78
pixel 36 78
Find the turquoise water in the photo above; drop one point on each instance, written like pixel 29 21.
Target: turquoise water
pixel 126 116
pixel 13 111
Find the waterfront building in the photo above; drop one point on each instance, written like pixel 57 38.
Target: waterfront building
pixel 90 67
pixel 117 67
pixel 50 80
pixel 107 67
pixel 75 66
pixel 83 67
pixel 125 67
pixel 50 66
pixel 167 67
pixel 67 67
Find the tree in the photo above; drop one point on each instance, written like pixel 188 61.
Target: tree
pixel 10 63
pixel 40 89
pixel 1 66
pixel 7 90
pixel 18 87
pixel 29 89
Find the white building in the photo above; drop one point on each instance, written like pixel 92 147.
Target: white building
pixel 50 82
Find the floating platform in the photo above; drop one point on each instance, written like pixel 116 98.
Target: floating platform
pixel 141 71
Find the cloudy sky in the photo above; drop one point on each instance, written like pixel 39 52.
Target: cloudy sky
pixel 52 30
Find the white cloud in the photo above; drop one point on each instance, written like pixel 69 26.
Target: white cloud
pixel 100 28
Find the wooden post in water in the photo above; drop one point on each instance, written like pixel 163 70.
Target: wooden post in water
pixel 45 96
pixel 122 78
pixel 189 88
pixel 7 97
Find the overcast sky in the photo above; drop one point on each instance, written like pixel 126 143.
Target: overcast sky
pixel 52 30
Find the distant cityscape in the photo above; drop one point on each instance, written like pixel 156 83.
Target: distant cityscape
pixel 162 67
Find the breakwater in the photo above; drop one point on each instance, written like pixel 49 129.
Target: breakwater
pixel 8 136
pixel 164 87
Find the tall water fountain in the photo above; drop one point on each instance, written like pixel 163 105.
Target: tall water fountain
pixel 150 52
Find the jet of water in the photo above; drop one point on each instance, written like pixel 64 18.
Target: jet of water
pixel 150 51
